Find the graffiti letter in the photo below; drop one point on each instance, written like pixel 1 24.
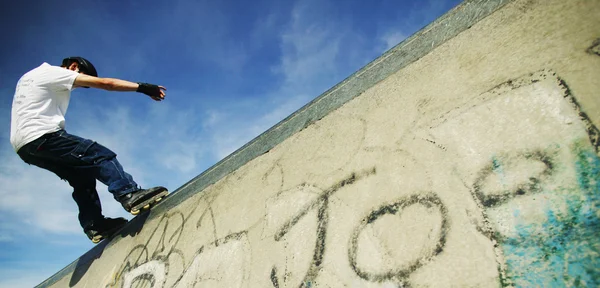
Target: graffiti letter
pixel 153 271
pixel 221 264
pixel 431 240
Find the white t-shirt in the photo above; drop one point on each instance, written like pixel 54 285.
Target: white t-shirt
pixel 40 103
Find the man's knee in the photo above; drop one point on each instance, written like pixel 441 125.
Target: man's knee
pixel 94 153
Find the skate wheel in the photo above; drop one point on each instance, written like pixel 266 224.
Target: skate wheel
pixel 157 199
pixel 146 207
pixel 96 241
pixel 134 212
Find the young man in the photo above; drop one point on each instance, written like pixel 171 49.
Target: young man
pixel 37 135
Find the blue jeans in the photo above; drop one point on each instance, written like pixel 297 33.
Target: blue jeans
pixel 80 162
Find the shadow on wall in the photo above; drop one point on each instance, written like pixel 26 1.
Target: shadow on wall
pixel 84 262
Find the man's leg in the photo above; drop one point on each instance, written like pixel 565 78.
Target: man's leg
pixel 84 188
pixel 83 155
pixel 86 197
pixel 86 155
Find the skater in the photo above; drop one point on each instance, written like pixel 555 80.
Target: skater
pixel 38 136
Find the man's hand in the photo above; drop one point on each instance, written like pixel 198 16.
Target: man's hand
pixel 154 91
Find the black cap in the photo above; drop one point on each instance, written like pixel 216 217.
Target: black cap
pixel 85 66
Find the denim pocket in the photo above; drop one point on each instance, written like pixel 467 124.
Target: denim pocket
pixel 39 146
pixel 82 148
pixel 91 152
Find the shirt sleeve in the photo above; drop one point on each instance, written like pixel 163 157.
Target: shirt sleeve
pixel 60 78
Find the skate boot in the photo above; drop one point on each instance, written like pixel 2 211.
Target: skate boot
pixel 104 228
pixel 142 199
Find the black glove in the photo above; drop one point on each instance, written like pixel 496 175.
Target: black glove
pixel 149 89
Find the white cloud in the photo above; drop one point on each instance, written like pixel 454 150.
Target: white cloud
pixel 213 117
pixel 7 238
pixel 34 198
pixel 310 63
pixel 24 278
pixel 310 47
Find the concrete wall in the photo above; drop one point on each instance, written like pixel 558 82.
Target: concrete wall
pixel 464 159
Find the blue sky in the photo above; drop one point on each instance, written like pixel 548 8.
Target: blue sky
pixel 232 69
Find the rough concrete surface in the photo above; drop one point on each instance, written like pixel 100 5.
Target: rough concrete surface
pixel 475 164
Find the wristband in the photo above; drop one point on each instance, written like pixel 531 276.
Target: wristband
pixel 149 89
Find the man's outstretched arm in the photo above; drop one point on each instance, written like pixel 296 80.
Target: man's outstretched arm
pixel 154 91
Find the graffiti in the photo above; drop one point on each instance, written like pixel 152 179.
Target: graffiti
pixel 160 249
pixel 321 205
pixel 220 264
pixel 400 274
pixel 148 263
pixel 556 250
pixel 595 48
pixel 226 262
pixel 151 271
pixel 537 192
pixel 508 176
pixel 508 184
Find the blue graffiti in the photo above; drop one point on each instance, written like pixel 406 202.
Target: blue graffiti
pixel 563 250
